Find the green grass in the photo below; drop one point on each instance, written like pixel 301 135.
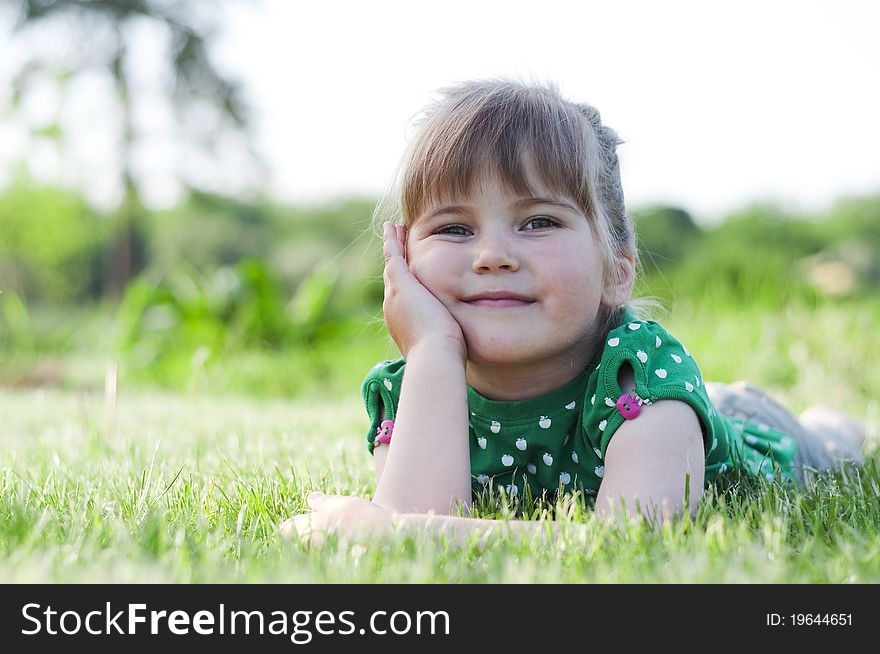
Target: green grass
pixel 190 488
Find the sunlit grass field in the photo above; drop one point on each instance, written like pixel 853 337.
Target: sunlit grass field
pixel 190 488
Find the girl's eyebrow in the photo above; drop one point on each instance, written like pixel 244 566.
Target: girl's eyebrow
pixel 524 203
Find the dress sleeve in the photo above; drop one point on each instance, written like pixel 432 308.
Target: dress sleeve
pixel 663 369
pixel 381 388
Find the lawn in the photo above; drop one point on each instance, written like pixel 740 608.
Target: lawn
pixel 190 488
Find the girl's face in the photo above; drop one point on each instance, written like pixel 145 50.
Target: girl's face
pixel 522 276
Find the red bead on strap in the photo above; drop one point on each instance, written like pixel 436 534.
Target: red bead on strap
pixel 628 406
pixel 383 432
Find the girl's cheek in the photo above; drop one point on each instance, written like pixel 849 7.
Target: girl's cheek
pixel 430 274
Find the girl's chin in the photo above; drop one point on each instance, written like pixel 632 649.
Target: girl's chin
pixel 522 349
pixel 502 354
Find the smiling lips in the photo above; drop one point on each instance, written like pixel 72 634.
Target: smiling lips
pixel 498 299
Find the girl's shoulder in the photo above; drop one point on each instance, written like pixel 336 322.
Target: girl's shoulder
pixel 658 358
pixel 660 368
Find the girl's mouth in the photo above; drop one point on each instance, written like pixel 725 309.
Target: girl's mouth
pixel 498 299
pixel 499 303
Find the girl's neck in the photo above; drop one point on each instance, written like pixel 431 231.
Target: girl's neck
pixel 512 383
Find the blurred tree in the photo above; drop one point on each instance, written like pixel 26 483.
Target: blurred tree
pixel 195 89
pixel 665 234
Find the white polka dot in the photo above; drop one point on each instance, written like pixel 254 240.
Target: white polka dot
pixel 547 459
pixel 512 490
pixel 574 457
pixel 521 444
pixel 614 342
pixel 714 444
pixel 564 478
pixel 658 342
pixel 689 387
pixel 602 425
pixel 609 402
pixel 642 356
pixel 387 383
pixel 661 373
pixel 685 350
pixel 676 358
pixel 495 427
pixel 593 400
pixel 532 468
pixel 507 460
pixel 481 441
pixel 571 405
pixel 698 381
pixel 544 422
pixel 634 325
pixel 598 452
pixel 599 471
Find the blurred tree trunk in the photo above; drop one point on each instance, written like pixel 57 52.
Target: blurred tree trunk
pixel 195 84
pixel 124 258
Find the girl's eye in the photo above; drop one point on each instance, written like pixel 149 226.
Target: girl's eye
pixel 539 222
pixel 454 230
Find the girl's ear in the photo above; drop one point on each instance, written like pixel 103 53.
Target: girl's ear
pixel 619 287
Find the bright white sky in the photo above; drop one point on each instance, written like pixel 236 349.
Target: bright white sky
pixel 719 105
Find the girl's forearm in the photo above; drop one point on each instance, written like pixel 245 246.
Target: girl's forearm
pixel 428 464
pixel 462 528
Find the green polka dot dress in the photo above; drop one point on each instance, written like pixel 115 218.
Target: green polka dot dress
pixel 557 442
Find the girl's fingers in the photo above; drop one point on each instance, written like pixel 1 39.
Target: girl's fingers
pixel 401 240
pixel 390 241
pixel 393 241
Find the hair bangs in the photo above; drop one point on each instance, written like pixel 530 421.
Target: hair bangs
pixel 516 138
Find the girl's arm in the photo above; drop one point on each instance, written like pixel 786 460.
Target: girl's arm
pixel 646 465
pixel 360 518
pixel 462 528
pixel 427 466
pixel 648 461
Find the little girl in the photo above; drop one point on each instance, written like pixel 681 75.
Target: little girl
pixel 526 364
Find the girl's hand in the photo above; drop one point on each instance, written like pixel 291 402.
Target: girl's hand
pixel 412 313
pixel 351 517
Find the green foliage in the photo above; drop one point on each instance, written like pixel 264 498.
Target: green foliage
pixel 17 333
pixel 51 243
pixel 754 256
pixel 173 329
pixel 207 231
pixel 665 235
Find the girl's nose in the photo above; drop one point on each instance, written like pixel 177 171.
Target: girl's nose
pixel 493 253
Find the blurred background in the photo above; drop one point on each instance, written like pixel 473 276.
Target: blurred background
pixel 186 187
